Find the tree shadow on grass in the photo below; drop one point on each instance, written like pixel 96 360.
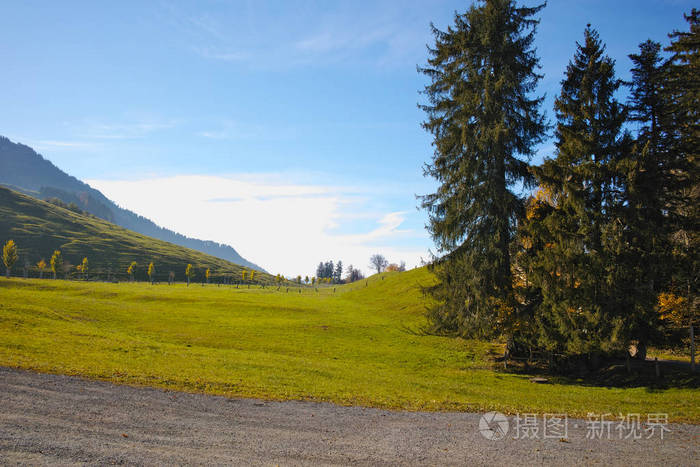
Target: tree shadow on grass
pixel 611 374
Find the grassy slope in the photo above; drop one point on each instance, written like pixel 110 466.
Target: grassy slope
pixel 352 347
pixel 39 228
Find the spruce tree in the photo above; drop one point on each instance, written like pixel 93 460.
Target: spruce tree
pixel 485 124
pixel 581 259
pixel 683 101
pixel 647 178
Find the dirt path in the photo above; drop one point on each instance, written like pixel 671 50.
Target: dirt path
pixel 58 419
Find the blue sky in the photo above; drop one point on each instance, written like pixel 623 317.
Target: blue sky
pixel 287 129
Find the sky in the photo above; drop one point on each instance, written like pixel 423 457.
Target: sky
pixel 287 129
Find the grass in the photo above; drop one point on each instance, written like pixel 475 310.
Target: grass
pixel 39 228
pixel 353 347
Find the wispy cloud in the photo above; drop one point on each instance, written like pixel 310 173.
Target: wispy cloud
pixel 386 35
pixel 285 226
pixel 64 144
pixel 122 130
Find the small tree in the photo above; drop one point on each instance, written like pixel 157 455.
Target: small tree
pixel 313 280
pixel 171 277
pixel 378 262
pixel 9 256
pixel 354 274
pixel 299 280
pixel 84 268
pixel 189 273
pixel 243 274
pixel 306 279
pixel 41 266
pixel 207 274
pixel 131 270
pixel 252 276
pixel 151 271
pixel 56 262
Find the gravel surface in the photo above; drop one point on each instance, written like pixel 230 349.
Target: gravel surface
pixel 59 419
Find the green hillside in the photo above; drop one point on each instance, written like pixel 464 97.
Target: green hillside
pixel 39 228
pixel 356 346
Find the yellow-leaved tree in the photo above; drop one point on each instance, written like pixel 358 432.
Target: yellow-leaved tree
pixel 151 271
pixel 41 266
pixel 56 262
pixel 189 273
pixel 84 268
pixel 131 270
pixel 9 256
pixel 207 274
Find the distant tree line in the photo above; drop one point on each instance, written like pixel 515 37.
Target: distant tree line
pixel 330 271
pixel 60 268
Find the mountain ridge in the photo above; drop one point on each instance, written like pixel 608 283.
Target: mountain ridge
pixel 25 170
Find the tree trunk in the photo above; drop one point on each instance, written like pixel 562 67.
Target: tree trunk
pixel 692 348
pixel 641 351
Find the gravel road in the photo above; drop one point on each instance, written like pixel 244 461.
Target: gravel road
pixel 58 419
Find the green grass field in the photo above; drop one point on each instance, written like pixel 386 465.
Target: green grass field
pixel 356 346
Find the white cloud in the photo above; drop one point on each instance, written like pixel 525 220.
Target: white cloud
pixel 283 226
pixel 44 144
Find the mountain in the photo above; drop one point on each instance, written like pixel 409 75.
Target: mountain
pixel 40 227
pixel 23 169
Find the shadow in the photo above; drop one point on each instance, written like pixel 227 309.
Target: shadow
pixel 611 374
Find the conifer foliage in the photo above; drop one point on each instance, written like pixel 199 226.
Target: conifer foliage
pixel 485 124
pixel 581 270
pixel 603 254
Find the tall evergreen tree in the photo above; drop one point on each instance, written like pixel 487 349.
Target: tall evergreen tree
pixel 338 274
pixel 646 182
pixel 581 264
pixel 683 97
pixel 485 124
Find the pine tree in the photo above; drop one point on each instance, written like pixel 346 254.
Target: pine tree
pixel 683 98
pixel 581 260
pixel 338 274
pixel 646 181
pixel 485 125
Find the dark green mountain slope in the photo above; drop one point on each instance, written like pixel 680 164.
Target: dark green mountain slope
pixel 39 228
pixel 22 169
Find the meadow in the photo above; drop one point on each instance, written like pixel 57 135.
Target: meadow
pixel 359 345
